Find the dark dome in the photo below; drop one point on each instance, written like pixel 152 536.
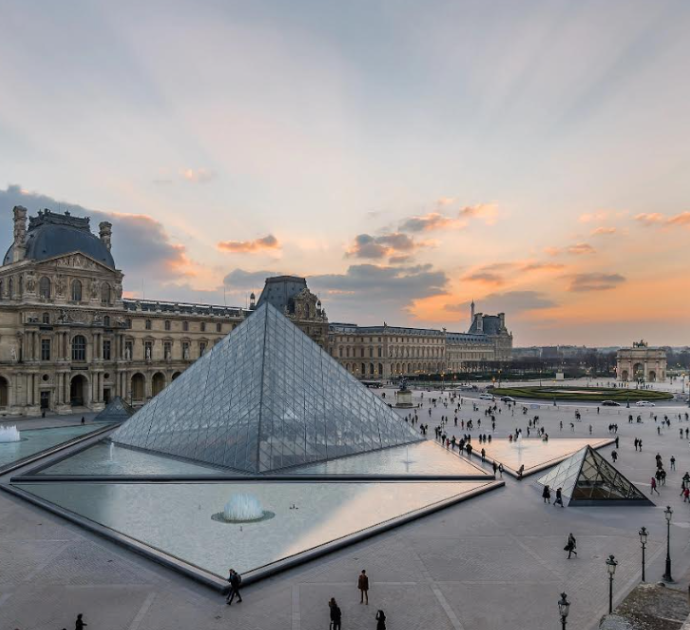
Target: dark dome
pixel 52 235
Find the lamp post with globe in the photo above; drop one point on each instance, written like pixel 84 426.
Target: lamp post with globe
pixel 563 609
pixel 643 541
pixel 668 513
pixel 611 565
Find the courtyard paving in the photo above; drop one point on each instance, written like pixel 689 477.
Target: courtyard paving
pixel 496 561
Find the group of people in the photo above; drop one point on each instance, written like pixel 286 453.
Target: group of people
pixel 336 614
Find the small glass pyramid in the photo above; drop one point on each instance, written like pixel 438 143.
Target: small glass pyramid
pixel 265 398
pixel 117 410
pixel 586 478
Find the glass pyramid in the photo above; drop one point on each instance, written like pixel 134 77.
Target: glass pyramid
pixel 117 410
pixel 265 398
pixel 586 478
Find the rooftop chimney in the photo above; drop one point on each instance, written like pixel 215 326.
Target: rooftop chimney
pixel 106 231
pixel 19 247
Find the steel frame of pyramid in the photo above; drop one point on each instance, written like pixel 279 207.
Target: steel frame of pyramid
pixel 587 479
pixel 266 397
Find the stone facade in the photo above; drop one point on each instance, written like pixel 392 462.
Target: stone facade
pixel 641 364
pixel 70 341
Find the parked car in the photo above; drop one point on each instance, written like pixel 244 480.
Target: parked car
pixel 644 403
pixel 509 399
pixel 609 403
pixel 486 397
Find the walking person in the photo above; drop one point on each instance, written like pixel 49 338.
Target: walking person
pixel 614 456
pixel 363 586
pixel 546 495
pixel 336 614
pixel 559 497
pixel 235 580
pixel 80 624
pixel 673 462
pixel 500 470
pixel 380 620
pixel 571 545
pixel 654 489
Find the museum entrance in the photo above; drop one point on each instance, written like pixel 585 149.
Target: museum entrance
pixel 77 391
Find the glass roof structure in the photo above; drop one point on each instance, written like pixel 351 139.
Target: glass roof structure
pixel 117 410
pixel 265 398
pixel 587 479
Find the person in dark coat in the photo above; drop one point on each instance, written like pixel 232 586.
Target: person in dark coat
pixel 571 545
pixel 380 620
pixel 80 624
pixel 546 495
pixel 336 614
pixel 235 580
pixel 559 497
pixel 363 586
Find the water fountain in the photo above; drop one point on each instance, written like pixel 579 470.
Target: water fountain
pixel 9 434
pixel 243 508
pixel 517 442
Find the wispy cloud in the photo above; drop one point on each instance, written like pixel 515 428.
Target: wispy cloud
pixel 578 249
pixel 651 219
pixel 485 277
pixel 429 222
pixel 258 245
pixel 395 245
pixel 584 282
pixel 542 266
pixel 603 231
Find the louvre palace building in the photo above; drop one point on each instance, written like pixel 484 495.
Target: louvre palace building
pixel 70 342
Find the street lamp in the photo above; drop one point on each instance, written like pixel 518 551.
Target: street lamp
pixel 643 540
pixel 668 513
pixel 563 609
pixel 611 565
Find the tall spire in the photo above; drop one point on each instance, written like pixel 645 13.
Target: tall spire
pixel 472 313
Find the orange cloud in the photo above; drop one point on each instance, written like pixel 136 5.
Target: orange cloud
pixel 429 222
pixel 661 220
pixel 542 266
pixel 397 245
pixel 269 242
pixel 486 211
pixel 578 249
pixel 603 231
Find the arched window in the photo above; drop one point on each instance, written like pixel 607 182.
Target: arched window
pixel 11 288
pixel 105 293
pixel 79 348
pixel 46 318
pixel 44 288
pixel 106 321
pixel 76 290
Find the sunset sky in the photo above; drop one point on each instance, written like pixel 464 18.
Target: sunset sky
pixel 406 157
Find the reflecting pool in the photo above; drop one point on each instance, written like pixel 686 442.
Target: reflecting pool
pixel 36 440
pixel 106 459
pixel 422 458
pixel 177 518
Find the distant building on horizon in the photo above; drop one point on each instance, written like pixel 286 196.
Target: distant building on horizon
pixel 641 363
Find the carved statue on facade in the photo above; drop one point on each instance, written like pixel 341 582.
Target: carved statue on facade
pixel 60 286
pixel 30 282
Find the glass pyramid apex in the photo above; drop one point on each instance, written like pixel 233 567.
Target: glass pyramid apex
pixel 117 410
pixel 266 397
pixel 586 478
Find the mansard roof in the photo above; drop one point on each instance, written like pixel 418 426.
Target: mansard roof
pixel 51 234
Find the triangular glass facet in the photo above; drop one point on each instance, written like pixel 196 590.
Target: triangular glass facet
pixel 266 397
